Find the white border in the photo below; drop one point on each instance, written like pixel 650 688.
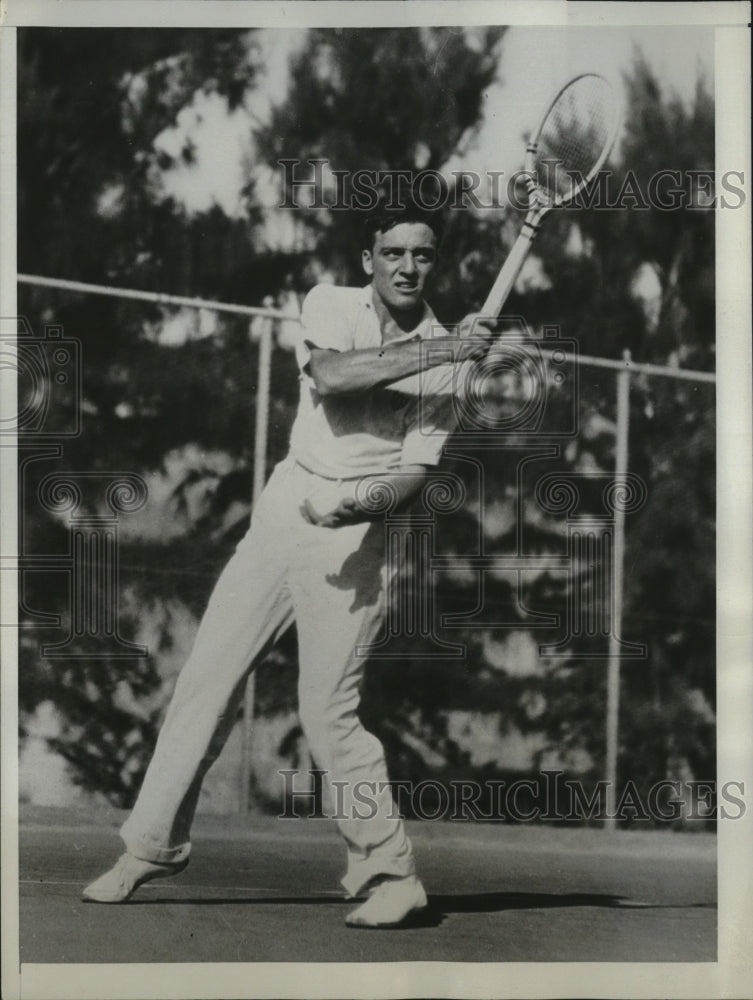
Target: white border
pixel 734 501
pixel 732 975
pixel 363 13
pixel 8 527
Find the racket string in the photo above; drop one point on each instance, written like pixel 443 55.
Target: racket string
pixel 575 137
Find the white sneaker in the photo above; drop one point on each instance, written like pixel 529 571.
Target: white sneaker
pixel 124 878
pixel 390 903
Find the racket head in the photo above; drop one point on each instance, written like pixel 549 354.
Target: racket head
pixel 573 139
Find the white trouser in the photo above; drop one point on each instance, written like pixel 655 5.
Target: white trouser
pixel 331 581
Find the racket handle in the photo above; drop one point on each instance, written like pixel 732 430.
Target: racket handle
pixel 508 274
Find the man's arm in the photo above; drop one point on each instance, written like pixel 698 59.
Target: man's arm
pixel 403 485
pixel 352 371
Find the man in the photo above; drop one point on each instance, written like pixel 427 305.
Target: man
pixel 314 554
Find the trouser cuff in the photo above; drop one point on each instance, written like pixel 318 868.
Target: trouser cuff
pixel 151 850
pixel 357 878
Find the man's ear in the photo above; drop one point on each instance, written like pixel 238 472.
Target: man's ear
pixel 367 262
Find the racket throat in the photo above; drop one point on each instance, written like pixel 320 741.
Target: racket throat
pixel 530 228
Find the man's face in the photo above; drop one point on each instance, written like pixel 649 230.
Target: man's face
pixel 400 263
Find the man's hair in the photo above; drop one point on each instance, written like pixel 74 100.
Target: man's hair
pixel 389 214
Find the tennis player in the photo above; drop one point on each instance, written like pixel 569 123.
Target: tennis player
pixel 315 555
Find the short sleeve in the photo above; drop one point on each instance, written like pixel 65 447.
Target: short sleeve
pixel 325 324
pixel 432 419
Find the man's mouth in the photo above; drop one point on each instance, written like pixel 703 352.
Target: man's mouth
pixel 406 286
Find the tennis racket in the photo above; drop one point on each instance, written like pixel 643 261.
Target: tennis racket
pixel 564 154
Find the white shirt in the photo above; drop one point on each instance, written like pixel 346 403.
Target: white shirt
pixel 371 431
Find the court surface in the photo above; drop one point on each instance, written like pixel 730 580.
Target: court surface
pixel 267 890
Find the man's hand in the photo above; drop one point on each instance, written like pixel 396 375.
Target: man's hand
pixel 383 493
pixel 478 336
pixel 346 512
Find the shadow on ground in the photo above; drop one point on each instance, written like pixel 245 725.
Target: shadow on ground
pixel 440 906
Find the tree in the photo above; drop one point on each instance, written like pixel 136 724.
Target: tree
pixel 667 716
pixel 425 90
pixel 667 708
pixel 91 207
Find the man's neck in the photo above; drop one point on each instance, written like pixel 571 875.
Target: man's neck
pixel 393 323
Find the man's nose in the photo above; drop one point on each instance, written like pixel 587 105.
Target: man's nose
pixel 407 264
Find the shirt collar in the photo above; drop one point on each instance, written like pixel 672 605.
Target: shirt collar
pixel 423 330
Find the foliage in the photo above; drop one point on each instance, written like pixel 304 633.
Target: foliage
pixel 667 701
pixel 426 90
pixel 91 207
pixel 670 595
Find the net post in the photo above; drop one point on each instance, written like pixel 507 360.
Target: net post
pixel 260 463
pixel 618 583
